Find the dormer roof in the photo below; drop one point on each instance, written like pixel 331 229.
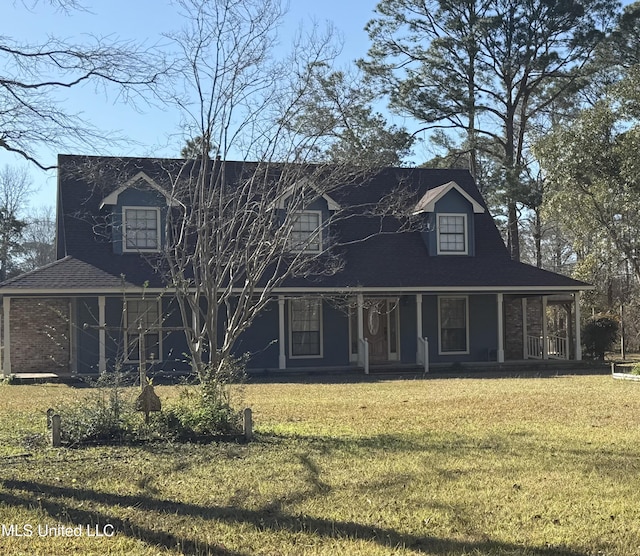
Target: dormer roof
pixel 112 198
pixel 428 201
pixel 281 201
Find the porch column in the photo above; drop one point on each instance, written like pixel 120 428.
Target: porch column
pixel 73 336
pixel 360 301
pixel 6 362
pixel 525 331
pixel 282 358
pixel 102 335
pixel 500 353
pixel 576 300
pixel 545 342
pixel 418 322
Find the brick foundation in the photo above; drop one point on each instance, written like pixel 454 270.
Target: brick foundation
pixel 39 335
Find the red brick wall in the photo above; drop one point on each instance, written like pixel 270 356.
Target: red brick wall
pixel 39 335
pixel 514 340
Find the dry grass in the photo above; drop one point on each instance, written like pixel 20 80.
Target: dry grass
pixel 437 467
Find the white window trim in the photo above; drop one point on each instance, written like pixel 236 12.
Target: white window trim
pixel 126 249
pixel 466 317
pixel 466 233
pixel 136 360
pixel 321 355
pixel 319 230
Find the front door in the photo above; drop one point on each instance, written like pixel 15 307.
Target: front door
pixel 375 330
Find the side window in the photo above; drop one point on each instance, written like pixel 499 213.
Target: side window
pixel 453 325
pixel 452 234
pixel 305 324
pixel 141 229
pixel 306 232
pixel 143 316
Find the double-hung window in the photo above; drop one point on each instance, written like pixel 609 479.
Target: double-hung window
pixel 305 323
pixel 143 318
pixel 454 325
pixel 452 234
pixel 141 229
pixel 306 233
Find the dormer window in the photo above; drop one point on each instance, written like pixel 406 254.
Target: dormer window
pixel 306 233
pixel 452 234
pixel 141 229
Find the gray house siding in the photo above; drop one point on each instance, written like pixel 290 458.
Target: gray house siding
pixel 482 328
pixel 408 329
pixel 335 339
pixel 88 347
pixel 260 341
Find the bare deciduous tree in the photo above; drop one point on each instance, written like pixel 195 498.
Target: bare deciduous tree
pixel 235 231
pixel 38 238
pixel 15 188
pixel 32 114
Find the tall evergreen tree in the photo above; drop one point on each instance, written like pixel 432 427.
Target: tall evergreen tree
pixel 485 69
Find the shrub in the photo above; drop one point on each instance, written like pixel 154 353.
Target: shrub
pixel 598 335
pixel 205 410
pixel 106 415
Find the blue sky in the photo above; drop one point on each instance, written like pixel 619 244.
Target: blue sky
pixel 151 131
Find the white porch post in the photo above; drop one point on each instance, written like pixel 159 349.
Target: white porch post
pixel 576 300
pixel 500 353
pixel 102 335
pixel 6 309
pixel 282 358
pixel 418 322
pixel 360 301
pixel 525 331
pixel 360 317
pixel 545 342
pixel 73 336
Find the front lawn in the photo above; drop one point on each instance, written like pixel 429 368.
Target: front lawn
pixel 441 467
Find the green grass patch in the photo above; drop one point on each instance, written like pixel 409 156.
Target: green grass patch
pixel 436 467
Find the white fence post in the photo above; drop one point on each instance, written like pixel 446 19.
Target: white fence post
pixel 363 354
pixel 423 353
pixel 426 355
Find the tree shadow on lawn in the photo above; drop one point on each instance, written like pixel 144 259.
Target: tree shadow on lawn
pixel 63 504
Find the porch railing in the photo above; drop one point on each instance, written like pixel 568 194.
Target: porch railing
pixel 363 354
pixel 557 347
pixel 423 353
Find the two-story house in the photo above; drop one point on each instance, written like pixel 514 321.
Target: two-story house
pixel 445 291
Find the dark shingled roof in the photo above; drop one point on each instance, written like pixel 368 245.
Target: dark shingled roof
pixel 401 260
pixel 67 273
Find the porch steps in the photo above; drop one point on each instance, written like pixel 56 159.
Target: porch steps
pixel 42 377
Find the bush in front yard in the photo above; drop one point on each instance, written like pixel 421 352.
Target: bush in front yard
pixel 205 409
pixel 599 334
pixel 105 416
pixel 108 415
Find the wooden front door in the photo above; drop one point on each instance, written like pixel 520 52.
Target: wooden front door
pixel 376 330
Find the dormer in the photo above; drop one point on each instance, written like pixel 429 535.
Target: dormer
pixel 309 226
pixel 448 220
pixel 137 214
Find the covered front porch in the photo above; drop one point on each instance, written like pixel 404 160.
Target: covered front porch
pixel 543 327
pixel 431 329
